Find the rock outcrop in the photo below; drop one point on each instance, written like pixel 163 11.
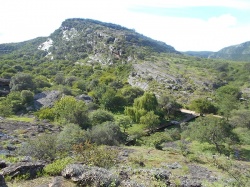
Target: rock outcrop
pixel 89 176
pixel 46 98
pixel 29 169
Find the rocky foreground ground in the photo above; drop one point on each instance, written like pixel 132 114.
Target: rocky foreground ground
pixel 136 166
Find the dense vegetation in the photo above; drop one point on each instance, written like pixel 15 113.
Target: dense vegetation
pixel 98 62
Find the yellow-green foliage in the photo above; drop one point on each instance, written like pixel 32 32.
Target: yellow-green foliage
pixel 46 113
pixel 56 167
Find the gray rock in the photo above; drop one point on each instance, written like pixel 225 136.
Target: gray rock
pixel 89 176
pixel 185 182
pixel 175 165
pixel 130 183
pixel 23 168
pixel 46 99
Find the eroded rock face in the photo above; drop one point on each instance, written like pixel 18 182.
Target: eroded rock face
pixel 89 176
pixel 23 168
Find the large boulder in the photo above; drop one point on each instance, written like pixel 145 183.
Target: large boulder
pixel 46 98
pixel 89 176
pixel 23 168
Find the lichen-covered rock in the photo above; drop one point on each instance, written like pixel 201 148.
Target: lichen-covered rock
pixel 130 183
pixel 85 175
pixel 23 168
pixel 186 182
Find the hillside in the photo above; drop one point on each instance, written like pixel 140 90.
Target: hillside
pixel 240 52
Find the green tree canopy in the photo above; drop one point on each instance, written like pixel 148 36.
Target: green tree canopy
pixel 203 106
pixel 213 130
pixel 141 106
pixel 150 120
pixel 22 81
pixel 131 93
pixel 228 99
pixel 100 116
pixel 70 110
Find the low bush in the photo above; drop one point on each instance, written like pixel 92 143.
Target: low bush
pixel 91 154
pixel 70 135
pixel 107 133
pixel 42 147
pixel 56 167
pixel 100 116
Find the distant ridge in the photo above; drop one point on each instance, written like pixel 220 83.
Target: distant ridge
pixel 202 54
pixel 240 52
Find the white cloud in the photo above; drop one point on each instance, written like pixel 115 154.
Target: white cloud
pixel 240 4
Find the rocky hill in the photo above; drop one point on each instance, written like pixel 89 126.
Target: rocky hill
pixel 81 38
pixel 240 52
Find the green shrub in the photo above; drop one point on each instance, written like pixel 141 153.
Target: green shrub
pixel 46 113
pixel 70 135
pixel 156 139
pixel 100 116
pixel 91 154
pixel 107 133
pixel 42 147
pixel 56 167
pixel 70 110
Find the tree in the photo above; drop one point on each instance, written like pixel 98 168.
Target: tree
pixel 213 130
pixel 70 110
pixel 100 116
pixel 227 98
pixel 240 118
pixel 141 106
pixel 203 106
pixel 107 133
pixel 125 122
pixel 5 108
pixel 113 102
pixel 27 97
pixel 59 78
pixel 147 102
pixel 131 93
pixel 41 82
pixel 15 101
pixel 168 104
pixel 150 120
pixel 71 135
pixel 22 81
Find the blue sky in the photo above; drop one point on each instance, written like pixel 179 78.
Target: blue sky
pixel 196 25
